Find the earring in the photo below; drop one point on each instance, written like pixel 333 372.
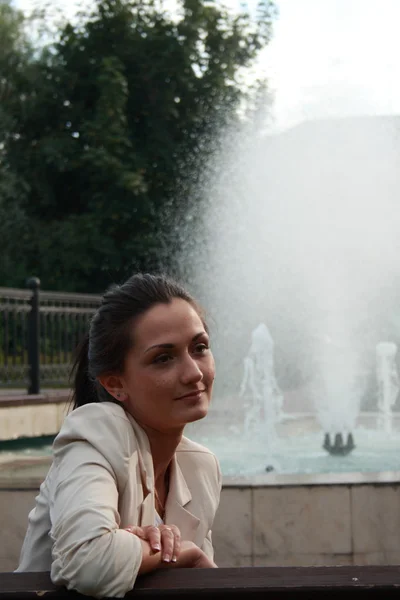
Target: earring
pixel 118 395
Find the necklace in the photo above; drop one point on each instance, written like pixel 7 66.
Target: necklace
pixel 160 507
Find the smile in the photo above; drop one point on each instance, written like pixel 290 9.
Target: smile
pixel 194 395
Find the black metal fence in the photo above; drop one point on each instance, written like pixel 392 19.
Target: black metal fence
pixel 39 332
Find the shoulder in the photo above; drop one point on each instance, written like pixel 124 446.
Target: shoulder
pixel 95 418
pixel 97 410
pixel 102 425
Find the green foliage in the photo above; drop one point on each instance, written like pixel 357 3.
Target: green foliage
pixel 106 128
pixel 14 67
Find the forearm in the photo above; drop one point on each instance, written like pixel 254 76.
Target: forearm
pixel 150 560
pixel 106 566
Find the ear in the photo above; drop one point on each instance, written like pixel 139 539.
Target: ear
pixel 114 386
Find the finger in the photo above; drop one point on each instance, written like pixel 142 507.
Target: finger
pixel 153 536
pixel 177 542
pixel 167 543
pixel 136 530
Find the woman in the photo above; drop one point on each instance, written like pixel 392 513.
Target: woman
pixel 126 492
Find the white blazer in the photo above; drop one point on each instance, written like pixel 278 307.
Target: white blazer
pixel 101 481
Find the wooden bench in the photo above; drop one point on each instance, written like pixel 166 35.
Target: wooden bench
pixel 280 583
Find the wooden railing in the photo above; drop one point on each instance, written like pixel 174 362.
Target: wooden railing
pixel 283 583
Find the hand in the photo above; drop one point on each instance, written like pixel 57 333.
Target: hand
pixel 191 556
pixel 164 538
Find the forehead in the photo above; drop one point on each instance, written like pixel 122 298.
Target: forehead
pixel 167 323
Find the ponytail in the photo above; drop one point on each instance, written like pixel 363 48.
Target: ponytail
pixel 84 386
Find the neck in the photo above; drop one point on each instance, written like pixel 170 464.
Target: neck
pixel 163 447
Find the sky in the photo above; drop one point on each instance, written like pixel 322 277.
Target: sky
pixel 327 58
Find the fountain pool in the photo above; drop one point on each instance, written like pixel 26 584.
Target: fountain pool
pixel 303 454
pixel 295 452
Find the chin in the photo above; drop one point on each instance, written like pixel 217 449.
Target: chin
pixel 195 413
pixel 198 414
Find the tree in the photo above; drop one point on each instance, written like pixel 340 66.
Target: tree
pixel 15 57
pixel 123 113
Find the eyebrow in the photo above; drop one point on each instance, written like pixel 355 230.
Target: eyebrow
pixel 173 345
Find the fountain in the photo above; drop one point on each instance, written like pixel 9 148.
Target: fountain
pixel 263 406
pixel 260 387
pixel 300 230
pixel 388 384
pixel 338 398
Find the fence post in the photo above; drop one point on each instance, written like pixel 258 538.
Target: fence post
pixel 33 337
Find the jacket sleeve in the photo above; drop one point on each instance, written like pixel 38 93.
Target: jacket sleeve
pixel 90 553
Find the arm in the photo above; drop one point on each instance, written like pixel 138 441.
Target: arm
pixel 90 553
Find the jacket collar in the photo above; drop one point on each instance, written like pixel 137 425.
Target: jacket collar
pixel 179 494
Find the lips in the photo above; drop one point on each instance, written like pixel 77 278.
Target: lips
pixel 193 394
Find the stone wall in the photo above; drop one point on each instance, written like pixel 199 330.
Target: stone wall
pixel 272 524
pixel 309 525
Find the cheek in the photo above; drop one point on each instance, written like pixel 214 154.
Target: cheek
pixel 153 382
pixel 209 370
pixel 163 382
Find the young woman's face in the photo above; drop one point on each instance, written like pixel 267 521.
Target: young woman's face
pixel 169 372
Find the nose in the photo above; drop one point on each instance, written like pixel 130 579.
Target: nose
pixel 191 372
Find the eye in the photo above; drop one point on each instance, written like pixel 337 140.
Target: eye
pixel 162 359
pixel 201 348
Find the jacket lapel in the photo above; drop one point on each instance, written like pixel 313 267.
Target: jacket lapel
pixel 146 510
pixel 179 497
pixel 179 494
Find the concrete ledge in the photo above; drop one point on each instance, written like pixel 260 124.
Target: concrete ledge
pixel 8 400
pixel 36 415
pixel 14 473
pixel 300 479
